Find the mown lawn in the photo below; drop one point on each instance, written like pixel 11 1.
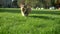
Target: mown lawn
pixel 38 22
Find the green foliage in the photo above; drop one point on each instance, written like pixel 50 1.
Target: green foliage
pixel 31 2
pixel 40 3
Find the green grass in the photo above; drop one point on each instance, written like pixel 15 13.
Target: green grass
pixel 38 22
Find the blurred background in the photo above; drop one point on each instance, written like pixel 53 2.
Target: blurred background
pixel 46 4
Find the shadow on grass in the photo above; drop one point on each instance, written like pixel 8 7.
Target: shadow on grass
pixel 11 11
pixel 33 11
pixel 43 17
pixel 46 12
